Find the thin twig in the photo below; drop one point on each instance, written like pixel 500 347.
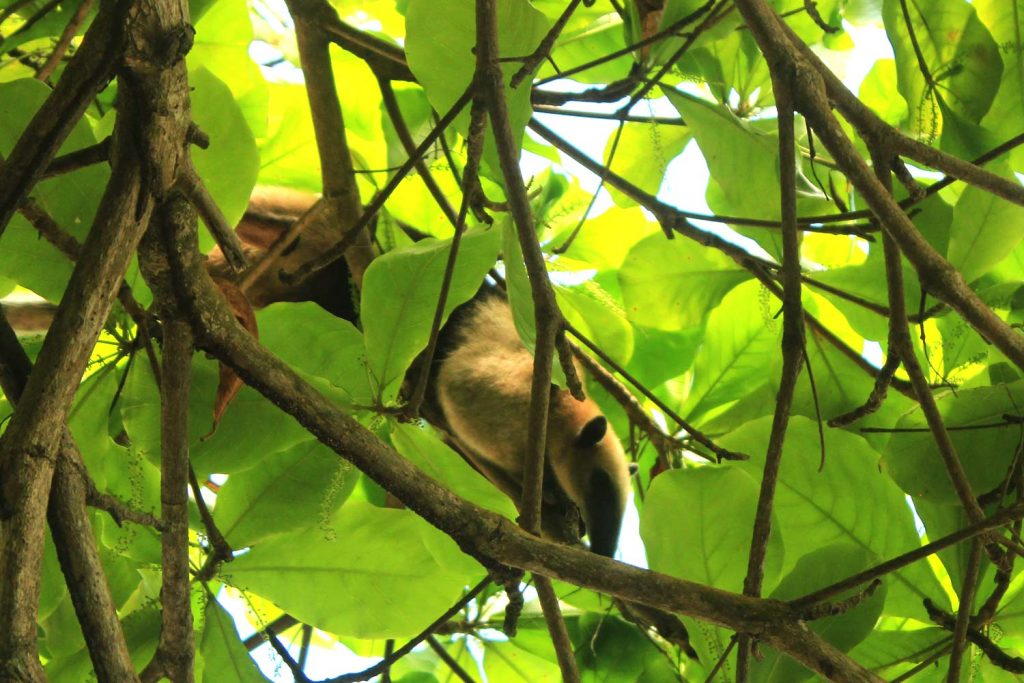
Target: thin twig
pixel 556 627
pixel 80 158
pixel 963 617
pixel 997 520
pixel 222 231
pixel 64 42
pixel 443 655
pixel 792 350
pixel 545 46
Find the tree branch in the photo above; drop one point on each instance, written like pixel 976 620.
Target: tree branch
pixel 73 535
pixel 341 194
pixel 792 348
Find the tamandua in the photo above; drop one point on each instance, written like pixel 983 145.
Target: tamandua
pixel 482 381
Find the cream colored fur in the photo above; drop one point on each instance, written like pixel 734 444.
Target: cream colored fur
pixel 484 392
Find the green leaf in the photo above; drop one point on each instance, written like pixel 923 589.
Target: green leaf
pixel 912 457
pixel 958 52
pixel 296 488
pixel 741 340
pixel 847 501
pixel 50 23
pixel 441 35
pixel 331 349
pixel 818 569
pixel 225 659
pixel 288 154
pixel 889 652
pixel 578 46
pixel 609 649
pixel 230 166
pixel 374 577
pixel 510 661
pixel 712 547
pixel 70 199
pixel 400 293
pixel 733 69
pixel 743 161
pixel 435 458
pixel 879 91
pixel 593 312
pixel 604 240
pixel 672 284
pixel 1005 23
pixel 985 230
pixel 223 35
pixel 252 427
pixel 642 153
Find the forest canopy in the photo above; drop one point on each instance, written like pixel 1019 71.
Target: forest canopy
pixel 814 362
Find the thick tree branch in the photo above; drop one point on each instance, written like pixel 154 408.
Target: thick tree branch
pixel 341 194
pixel 73 535
pixel 176 651
pixel 149 139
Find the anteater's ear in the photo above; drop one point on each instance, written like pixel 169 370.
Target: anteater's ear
pixel 592 432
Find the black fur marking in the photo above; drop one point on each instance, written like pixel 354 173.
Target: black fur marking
pixel 592 432
pixel 603 516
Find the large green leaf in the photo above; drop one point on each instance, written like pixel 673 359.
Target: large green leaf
pixel 743 161
pixel 672 284
pixel 984 231
pixel 251 428
pixel 288 153
pixel 890 651
pixel 818 569
pixel 609 649
pixel 331 349
pixel 223 36
pixel 740 342
pixel 958 52
pixel 49 20
pixel 70 199
pixel 733 68
pixel 440 40
pixel 847 500
pixel 1005 22
pixel 225 659
pixel 577 45
pixel 294 489
pixel 372 576
pixel 435 458
pixel 642 153
pixel 400 294
pixel 984 442
pixel 710 548
pixel 230 166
